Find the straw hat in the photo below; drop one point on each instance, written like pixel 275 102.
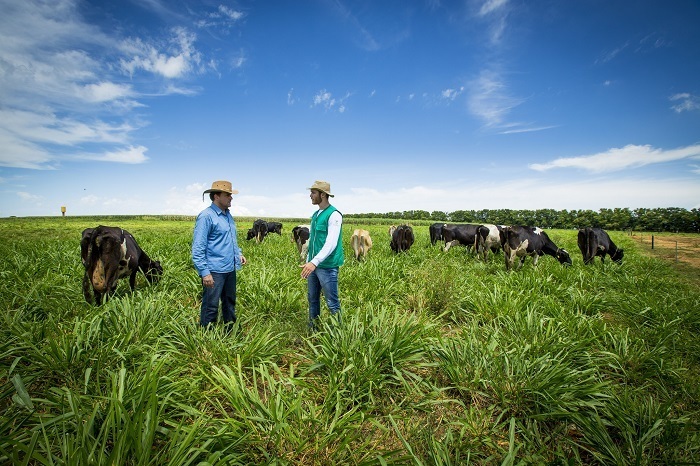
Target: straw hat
pixel 322 186
pixel 221 187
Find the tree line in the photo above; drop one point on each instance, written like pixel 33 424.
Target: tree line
pixel 672 219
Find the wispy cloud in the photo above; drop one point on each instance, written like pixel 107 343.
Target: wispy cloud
pixel 450 94
pixel 496 13
pixel 489 99
pixel 685 102
pixel 616 159
pixel 325 99
pixel 131 155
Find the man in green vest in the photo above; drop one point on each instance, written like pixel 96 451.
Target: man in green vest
pixel 325 253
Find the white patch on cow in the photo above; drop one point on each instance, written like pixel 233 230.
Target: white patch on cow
pixel 98 277
pixel 511 254
pixel 537 231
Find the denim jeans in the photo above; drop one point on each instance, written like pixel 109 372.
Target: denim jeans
pixel 224 290
pixel 325 280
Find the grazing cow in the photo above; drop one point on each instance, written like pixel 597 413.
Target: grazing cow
pixel 488 238
pixel 259 230
pixel 300 236
pixel 460 234
pixel 435 233
pixel 111 253
pixel 274 227
pixel 523 241
pixel 401 238
pixel 361 243
pixel 596 242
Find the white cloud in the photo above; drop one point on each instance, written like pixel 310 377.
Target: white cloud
pixel 105 92
pixel 326 100
pixel 131 155
pixel 450 94
pixel 686 102
pixel 181 58
pixel 620 158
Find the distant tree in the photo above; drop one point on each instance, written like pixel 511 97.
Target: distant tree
pixel 438 216
pixel 460 216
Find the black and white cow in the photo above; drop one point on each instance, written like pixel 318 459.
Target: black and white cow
pixel 435 233
pixel 401 238
pixel 463 234
pixel 488 238
pixel 523 241
pixel 111 253
pixel 259 230
pixel 596 242
pixel 274 227
pixel 300 237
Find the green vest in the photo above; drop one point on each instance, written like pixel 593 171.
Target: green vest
pixel 317 238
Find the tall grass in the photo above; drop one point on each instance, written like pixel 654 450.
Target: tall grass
pixel 440 358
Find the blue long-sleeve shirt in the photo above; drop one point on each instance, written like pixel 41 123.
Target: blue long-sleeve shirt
pixel 214 245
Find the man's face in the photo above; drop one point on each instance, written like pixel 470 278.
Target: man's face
pixel 315 196
pixel 224 200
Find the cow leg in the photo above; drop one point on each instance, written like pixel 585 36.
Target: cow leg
pixel 132 279
pixel 535 258
pixel 87 288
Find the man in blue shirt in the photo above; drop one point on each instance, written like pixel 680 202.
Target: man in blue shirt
pixel 216 256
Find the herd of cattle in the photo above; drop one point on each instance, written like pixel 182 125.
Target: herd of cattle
pixel 111 253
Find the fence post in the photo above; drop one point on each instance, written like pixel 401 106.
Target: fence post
pixel 652 241
pixel 676 251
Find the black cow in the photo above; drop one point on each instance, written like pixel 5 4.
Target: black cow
pixel 596 242
pixel 402 238
pixel 259 230
pixel 488 238
pixel 111 253
pixel 459 234
pixel 523 241
pixel 435 233
pixel 274 227
pixel 300 237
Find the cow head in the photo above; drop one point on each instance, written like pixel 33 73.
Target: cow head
pixel 617 256
pixel 251 234
pixel 154 271
pixel 106 256
pixel 563 257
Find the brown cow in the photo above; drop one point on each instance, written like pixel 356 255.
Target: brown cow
pixel 361 243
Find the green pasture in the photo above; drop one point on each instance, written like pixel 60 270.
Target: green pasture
pixel 441 358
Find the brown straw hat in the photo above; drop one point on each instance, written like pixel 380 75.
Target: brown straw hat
pixel 221 187
pixel 322 186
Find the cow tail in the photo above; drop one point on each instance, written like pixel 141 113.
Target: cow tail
pixel 479 242
pixel 590 246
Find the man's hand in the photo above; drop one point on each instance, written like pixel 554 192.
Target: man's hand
pixel 208 281
pixel 306 269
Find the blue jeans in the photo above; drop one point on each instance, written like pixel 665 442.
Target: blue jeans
pixel 224 290
pixel 325 280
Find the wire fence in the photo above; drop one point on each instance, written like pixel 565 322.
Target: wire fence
pixel 680 248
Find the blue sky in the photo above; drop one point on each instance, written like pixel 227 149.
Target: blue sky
pixel 135 107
